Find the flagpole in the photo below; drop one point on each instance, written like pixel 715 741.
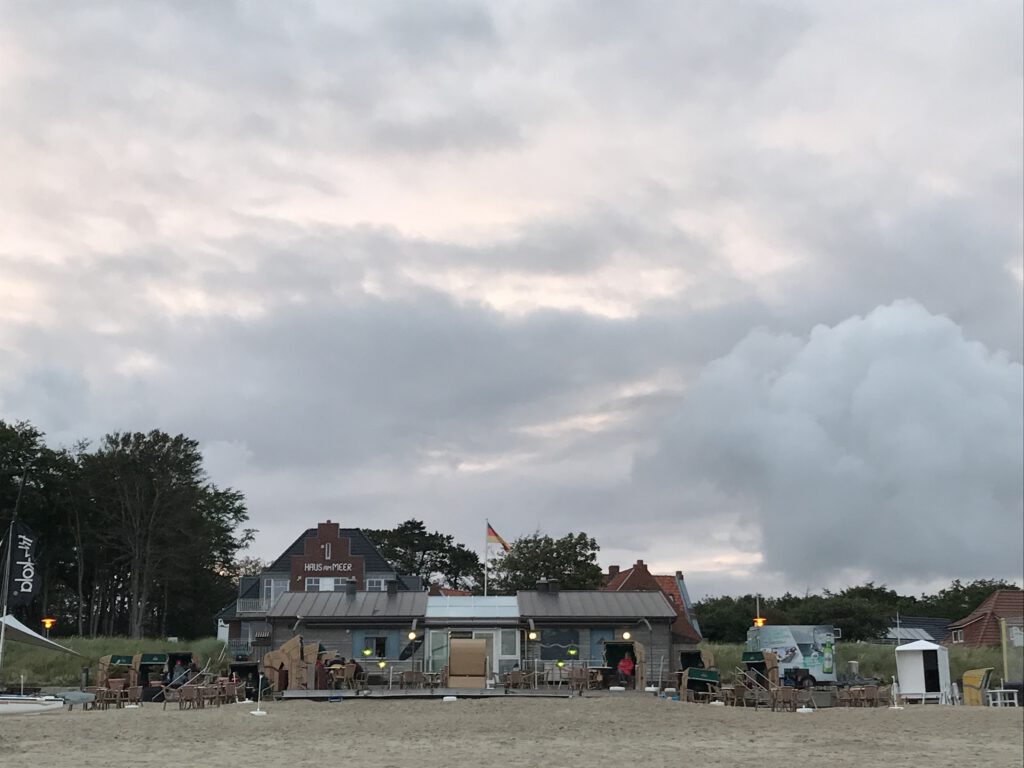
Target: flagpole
pixel 486 530
pixel 7 568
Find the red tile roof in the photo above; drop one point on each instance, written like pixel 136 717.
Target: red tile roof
pixel 638 577
pixel 984 620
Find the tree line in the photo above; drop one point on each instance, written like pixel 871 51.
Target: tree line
pixel 862 612
pixel 134 537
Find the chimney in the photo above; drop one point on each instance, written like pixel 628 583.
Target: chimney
pixel 392 587
pixel 613 571
pixel 679 575
pixel 542 584
pixel 553 586
pixel 350 587
pixel 639 564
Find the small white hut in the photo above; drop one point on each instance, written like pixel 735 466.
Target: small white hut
pixel 922 669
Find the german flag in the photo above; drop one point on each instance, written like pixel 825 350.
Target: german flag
pixel 494 538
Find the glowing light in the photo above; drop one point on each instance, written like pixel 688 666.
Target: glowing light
pixel 382 663
pixel 573 651
pixel 531 635
pixel 412 635
pixel 367 652
pixel 759 621
pixel 49 622
pixel 626 635
pixel 559 663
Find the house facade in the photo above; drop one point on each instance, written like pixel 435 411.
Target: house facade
pixel 325 559
pixel 982 627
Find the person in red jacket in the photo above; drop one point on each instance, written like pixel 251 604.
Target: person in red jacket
pixel 626 669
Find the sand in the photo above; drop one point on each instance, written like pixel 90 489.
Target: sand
pixel 582 733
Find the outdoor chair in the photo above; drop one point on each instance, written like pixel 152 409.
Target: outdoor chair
pixel 188 697
pixel 209 694
pixel 170 695
pixel 784 698
pixel 134 695
pixel 348 676
pixel 805 699
pixel 884 698
pixel 579 679
pixel 514 679
pixel 411 679
pixel 870 696
pixel 843 698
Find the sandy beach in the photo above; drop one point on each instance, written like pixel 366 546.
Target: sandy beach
pixel 553 733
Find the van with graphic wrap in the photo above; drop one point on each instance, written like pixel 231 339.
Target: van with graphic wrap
pixel 806 652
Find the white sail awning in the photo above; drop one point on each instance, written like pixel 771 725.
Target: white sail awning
pixel 19 633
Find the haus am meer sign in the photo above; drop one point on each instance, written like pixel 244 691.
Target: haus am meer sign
pixel 326 556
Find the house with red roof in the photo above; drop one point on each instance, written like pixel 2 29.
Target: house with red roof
pixel 981 627
pixel 637 578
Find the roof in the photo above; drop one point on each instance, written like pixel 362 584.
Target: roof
pixel 919 645
pixel 1003 603
pixel 373 561
pixel 918 628
pixel 472 607
pixel 594 604
pixel 339 605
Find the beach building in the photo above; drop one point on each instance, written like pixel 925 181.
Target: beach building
pixel 686 633
pixel 333 587
pixel 328 559
pixel 982 627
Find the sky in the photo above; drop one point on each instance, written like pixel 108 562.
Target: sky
pixel 735 288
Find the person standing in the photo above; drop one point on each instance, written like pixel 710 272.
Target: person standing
pixel 626 669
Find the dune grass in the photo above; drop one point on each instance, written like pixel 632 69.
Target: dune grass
pixel 877 660
pixel 48 668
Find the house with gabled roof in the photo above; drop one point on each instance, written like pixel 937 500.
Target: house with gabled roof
pixel 685 629
pixel 327 558
pixel 981 627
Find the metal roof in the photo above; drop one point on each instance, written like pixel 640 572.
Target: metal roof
pixel 339 605
pixel 472 607
pixel 909 633
pixel 594 604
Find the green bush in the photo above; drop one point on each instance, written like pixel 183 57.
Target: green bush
pixel 43 667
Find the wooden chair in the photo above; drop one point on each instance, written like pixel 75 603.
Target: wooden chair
pixel 411 679
pixel 579 679
pixel 783 698
pixel 134 695
pixel 348 676
pixel 843 698
pixel 884 698
pixel 870 698
pixel 188 697
pixel 514 679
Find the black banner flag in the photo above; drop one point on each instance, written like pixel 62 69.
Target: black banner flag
pixel 24 580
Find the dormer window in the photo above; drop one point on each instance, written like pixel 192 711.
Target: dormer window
pixel 327 550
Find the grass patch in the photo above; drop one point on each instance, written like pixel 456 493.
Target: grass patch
pixel 48 668
pixel 875 660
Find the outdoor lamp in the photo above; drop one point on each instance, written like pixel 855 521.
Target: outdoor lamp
pixel 382 663
pixel 573 651
pixel 48 623
pixel 626 635
pixel 531 635
pixel 559 663
pixel 367 652
pixel 412 635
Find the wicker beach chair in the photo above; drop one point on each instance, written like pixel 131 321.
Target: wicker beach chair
pixel 514 679
pixel 784 698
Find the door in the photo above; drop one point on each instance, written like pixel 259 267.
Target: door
pixel 931 672
pixel 488 637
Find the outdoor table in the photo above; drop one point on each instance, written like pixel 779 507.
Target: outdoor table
pixel 1002 697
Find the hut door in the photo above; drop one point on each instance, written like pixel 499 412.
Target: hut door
pixel 931 671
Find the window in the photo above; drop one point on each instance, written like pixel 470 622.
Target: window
pixel 327 550
pixel 339 584
pixel 274 588
pixel 958 635
pixel 375 585
pixel 378 644
pixel 555 643
pixel 312 584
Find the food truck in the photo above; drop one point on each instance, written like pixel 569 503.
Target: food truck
pixel 806 652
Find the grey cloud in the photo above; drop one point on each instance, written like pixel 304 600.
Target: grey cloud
pixel 873 445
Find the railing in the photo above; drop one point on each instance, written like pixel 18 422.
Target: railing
pixel 252 605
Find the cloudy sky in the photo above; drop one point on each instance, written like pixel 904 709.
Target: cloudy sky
pixel 735 288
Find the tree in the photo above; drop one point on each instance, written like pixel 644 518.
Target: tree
pixel 959 599
pixel 433 556
pixel 571 559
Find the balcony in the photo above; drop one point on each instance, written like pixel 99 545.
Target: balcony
pixel 254 605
